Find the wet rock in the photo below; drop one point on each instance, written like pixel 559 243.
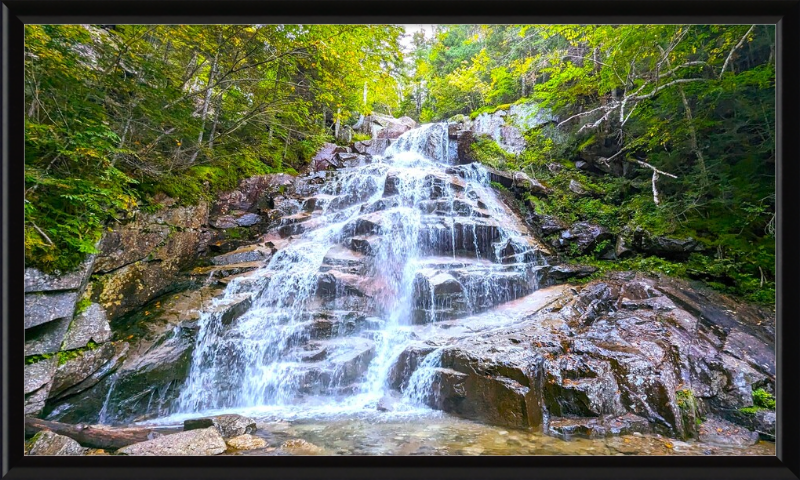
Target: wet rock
pixel 720 432
pixel 85 371
pixel 148 376
pixel 229 426
pixel 597 427
pixel 392 131
pixel 207 441
pixel 52 444
pixel 46 338
pixel 246 442
pixel 250 253
pixel 301 447
pixel 45 307
pixel 626 345
pixel 78 369
pixel 89 325
pixel 227 270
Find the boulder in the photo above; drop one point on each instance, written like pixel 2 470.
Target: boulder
pixel 52 444
pixel 525 183
pixel 583 238
pixel 252 194
pixel 325 159
pixel 372 147
pixel 207 441
pixel 229 426
pixel 624 347
pixel 133 285
pixel 246 442
pixel 89 325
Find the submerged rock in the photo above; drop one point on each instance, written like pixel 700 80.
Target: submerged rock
pixel 301 447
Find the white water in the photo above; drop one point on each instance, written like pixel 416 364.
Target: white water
pixel 428 218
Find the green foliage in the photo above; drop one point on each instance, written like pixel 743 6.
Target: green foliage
pixel 117 113
pixel 763 399
pixel 82 305
pixel 67 355
pixel 487 151
pixel 37 358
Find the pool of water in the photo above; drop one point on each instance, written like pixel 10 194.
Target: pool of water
pixel 409 430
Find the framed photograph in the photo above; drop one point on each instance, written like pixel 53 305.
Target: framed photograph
pixel 399 239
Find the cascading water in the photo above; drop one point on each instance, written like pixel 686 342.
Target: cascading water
pixel 405 240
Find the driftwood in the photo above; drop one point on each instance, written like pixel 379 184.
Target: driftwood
pixel 95 436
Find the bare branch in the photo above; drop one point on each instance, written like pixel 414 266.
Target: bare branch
pixel 736 47
pixel 42 233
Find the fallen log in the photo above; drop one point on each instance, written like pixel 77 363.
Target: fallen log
pixel 95 436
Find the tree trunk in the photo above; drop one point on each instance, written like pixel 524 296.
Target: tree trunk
pixel 338 123
pixel 211 74
pixel 214 125
pixel 95 436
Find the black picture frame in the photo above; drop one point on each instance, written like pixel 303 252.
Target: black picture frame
pixel 785 14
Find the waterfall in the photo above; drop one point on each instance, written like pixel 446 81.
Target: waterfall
pixel 409 239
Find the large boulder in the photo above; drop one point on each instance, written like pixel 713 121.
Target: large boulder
pixel 626 347
pixel 229 426
pixel 52 444
pixel 207 441
pixel 375 146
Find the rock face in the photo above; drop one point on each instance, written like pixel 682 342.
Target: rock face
pixel 49 443
pixel 627 345
pixel 144 378
pixel 205 441
pixel 142 259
